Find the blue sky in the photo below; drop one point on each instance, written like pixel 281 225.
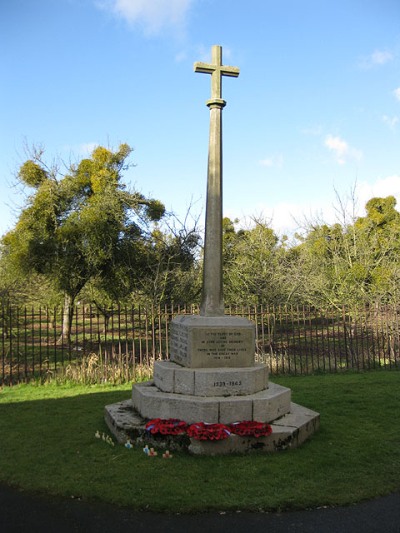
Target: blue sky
pixel 316 108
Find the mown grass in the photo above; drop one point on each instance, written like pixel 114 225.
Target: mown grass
pixel 48 445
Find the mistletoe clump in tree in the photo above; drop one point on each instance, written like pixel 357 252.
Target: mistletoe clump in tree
pixel 82 226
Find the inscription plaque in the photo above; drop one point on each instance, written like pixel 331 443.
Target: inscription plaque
pixel 211 342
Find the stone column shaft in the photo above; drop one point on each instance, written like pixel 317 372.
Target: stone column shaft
pixel 212 298
pixel 212 303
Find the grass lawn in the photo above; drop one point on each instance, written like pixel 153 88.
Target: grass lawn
pixel 47 444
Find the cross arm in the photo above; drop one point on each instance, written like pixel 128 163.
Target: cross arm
pixel 204 67
pixel 209 69
pixel 230 71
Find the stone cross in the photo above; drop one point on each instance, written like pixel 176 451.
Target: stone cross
pixel 217 70
pixel 212 299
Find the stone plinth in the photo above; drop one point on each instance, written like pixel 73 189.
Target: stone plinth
pixel 171 377
pixel 289 431
pixel 212 342
pixel 264 406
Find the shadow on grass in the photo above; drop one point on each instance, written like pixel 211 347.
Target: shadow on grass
pixel 48 445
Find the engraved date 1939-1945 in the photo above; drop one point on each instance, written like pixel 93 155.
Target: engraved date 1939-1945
pixel 227 383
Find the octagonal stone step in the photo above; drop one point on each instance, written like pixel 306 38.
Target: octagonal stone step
pixel 288 431
pixel 263 406
pixel 210 382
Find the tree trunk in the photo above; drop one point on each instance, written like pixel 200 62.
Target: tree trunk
pixel 68 314
pixel 106 314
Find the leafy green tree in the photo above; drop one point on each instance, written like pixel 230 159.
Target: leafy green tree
pixel 171 270
pixel 82 226
pixel 351 263
pixel 379 233
pixel 174 271
pixel 252 263
pixel 320 274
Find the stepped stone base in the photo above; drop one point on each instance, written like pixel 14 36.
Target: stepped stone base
pixel 263 406
pixel 171 377
pixel 212 378
pixel 288 431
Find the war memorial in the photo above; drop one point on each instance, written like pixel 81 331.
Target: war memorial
pixel 212 377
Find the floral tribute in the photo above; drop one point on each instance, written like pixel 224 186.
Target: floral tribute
pixel 170 426
pixel 251 429
pixel 203 431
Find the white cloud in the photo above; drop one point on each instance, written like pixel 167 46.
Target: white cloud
pixel 87 148
pixel 341 149
pixel 381 57
pixel 315 130
pixel 289 217
pixel 273 161
pixel 396 92
pixel 80 150
pixel 267 162
pixel 338 146
pixel 152 15
pixel 227 53
pixel 390 121
pixel 382 187
pixel 181 56
pixel 376 59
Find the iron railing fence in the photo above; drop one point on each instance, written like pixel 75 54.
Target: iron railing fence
pixel 290 339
